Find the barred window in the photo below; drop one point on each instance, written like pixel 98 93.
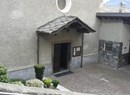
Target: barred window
pixel 108 46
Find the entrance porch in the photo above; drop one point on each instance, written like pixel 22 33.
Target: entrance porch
pixel 60 42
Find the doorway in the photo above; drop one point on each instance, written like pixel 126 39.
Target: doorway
pixel 61 57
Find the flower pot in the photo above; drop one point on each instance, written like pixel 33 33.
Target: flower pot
pixel 39 71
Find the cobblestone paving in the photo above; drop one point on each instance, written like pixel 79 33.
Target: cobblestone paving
pixel 97 79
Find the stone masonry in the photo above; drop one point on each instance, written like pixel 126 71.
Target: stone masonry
pixel 111 57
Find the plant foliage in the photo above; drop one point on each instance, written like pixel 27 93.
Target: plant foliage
pixel 34 83
pixel 55 83
pixel 18 80
pixel 47 82
pixel 39 71
pixel 3 75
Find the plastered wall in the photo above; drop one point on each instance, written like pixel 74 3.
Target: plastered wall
pixel 111 30
pixel 116 31
pixel 125 38
pixel 19 20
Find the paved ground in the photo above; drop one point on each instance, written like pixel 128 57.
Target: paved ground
pixel 97 79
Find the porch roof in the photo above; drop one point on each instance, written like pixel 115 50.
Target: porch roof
pixel 125 17
pixel 64 22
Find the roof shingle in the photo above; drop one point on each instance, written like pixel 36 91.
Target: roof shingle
pixel 59 23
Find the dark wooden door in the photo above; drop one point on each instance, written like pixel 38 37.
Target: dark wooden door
pixel 68 55
pixel 65 55
pixel 57 59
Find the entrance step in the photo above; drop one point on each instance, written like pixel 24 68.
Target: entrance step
pixel 62 73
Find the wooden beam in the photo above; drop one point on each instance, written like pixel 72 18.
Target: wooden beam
pixel 83 30
pixel 38 41
pixel 75 25
pixel 81 65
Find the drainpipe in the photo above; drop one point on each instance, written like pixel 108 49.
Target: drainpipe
pixel 38 48
pixel 82 50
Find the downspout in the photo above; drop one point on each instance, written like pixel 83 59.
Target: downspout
pixel 38 48
pixel 82 50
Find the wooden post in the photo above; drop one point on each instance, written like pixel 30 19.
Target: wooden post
pixel 82 50
pixel 38 48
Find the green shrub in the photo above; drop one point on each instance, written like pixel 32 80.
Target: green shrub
pixel 47 82
pixel 39 66
pixel 34 83
pixel 18 83
pixel 39 71
pixel 3 75
pixel 55 83
pixel 17 80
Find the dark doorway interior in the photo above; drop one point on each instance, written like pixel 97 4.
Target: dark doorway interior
pixel 61 57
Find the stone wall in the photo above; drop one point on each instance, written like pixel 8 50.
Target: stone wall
pixel 113 57
pixel 23 90
pixel 29 73
pixel 88 59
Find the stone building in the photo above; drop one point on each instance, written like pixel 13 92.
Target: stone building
pixel 35 31
pixel 19 21
pixel 114 40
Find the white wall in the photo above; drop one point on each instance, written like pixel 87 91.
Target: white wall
pixel 86 11
pixel 111 30
pixel 125 38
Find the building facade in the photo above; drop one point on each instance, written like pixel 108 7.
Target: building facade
pixel 114 42
pixel 19 20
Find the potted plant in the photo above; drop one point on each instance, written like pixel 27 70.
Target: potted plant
pixel 47 82
pixel 39 71
pixel 55 83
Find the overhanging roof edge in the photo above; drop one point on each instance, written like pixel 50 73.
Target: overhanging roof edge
pixel 73 20
pixel 100 14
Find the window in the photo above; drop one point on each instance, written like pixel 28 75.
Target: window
pixel 63 5
pixel 108 46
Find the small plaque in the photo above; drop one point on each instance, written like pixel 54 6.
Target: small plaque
pixel 76 51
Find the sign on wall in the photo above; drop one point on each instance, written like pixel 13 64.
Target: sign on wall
pixel 76 51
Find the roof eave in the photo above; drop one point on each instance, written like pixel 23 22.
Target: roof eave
pixel 121 15
pixel 75 20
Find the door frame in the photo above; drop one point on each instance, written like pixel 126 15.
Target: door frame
pixel 52 53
